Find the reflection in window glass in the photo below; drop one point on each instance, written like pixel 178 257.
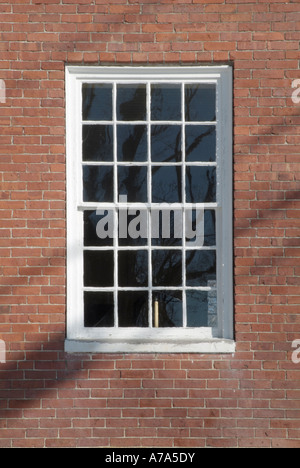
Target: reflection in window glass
pixel 194 218
pixel 202 308
pixel 167 305
pixel 97 143
pixel 200 143
pixel 200 102
pixel 166 102
pixel 201 184
pixel 97 102
pixel 201 267
pixel 132 182
pixel 166 143
pixel 167 227
pixel 134 230
pixel 210 228
pixel 132 143
pixel 166 184
pixel 167 267
pixel 131 102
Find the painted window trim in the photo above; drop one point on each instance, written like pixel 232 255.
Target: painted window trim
pixel 139 340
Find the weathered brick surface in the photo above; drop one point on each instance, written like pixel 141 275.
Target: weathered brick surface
pixel 50 399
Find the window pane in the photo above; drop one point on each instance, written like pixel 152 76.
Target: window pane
pixel 133 228
pixel 210 228
pixel 98 269
pixel 201 267
pixel 97 143
pixel 97 102
pixel 98 309
pixel 166 143
pixel 168 304
pixel 98 184
pixel 133 183
pixel 200 103
pixel 165 102
pixel 131 102
pixel 200 143
pixel 166 184
pixel 194 228
pixel 93 223
pixel 167 227
pixel 133 268
pixel 202 308
pixel 132 143
pixel 167 267
pixel 201 185
pixel 133 309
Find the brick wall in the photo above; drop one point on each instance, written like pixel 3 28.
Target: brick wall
pixel 48 398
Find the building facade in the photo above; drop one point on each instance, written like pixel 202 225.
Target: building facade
pixel 57 394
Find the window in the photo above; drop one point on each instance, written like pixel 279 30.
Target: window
pixel 149 187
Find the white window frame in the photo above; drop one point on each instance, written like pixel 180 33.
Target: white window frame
pixel 144 340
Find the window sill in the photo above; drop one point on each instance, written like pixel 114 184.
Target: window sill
pixel 206 346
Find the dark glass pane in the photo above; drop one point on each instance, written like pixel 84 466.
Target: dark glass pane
pixel 97 102
pixel 166 184
pixel 201 268
pixel 133 183
pixel 133 228
pixel 98 269
pixel 98 184
pixel 94 224
pixel 97 143
pixel 200 227
pixel 98 309
pixel 165 102
pixel 201 184
pixel 168 304
pixel 200 143
pixel 167 227
pixel 202 308
pixel 133 268
pixel 210 228
pixel 131 102
pixel 133 309
pixel 200 103
pixel 167 267
pixel 166 143
pixel 132 143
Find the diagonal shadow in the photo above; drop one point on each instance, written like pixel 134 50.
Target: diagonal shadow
pixel 267 224
pixel 39 380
